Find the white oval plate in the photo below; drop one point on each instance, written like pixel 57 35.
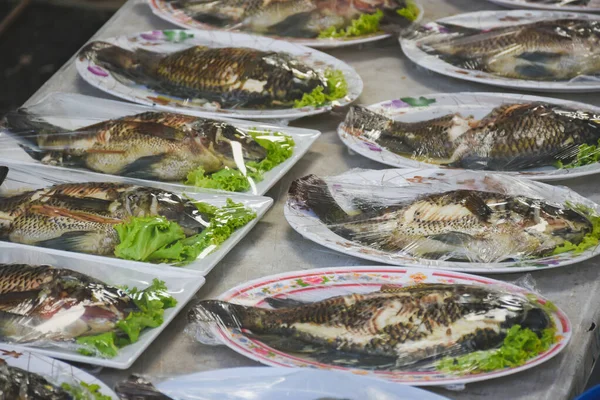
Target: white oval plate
pixel 322 283
pixel 489 20
pixel 163 9
pixel 55 372
pixel 308 225
pixel 287 383
pixel 528 4
pixel 466 103
pixel 175 40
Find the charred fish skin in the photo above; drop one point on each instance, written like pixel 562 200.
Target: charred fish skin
pixel 462 225
pixel 233 77
pixel 151 145
pixel 16 383
pixel 137 387
pixel 40 303
pixel 549 50
pixel 409 324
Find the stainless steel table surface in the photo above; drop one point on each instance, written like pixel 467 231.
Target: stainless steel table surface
pixel 273 247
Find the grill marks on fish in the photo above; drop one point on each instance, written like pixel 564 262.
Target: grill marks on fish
pixel 549 50
pixel 81 217
pixel 40 303
pixel 151 145
pixel 463 225
pixel 231 76
pixel 510 138
pixel 19 384
pixel 409 324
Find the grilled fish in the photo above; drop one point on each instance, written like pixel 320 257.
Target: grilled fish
pixel 81 216
pixel 151 145
pixel 136 388
pixel 550 50
pixel 18 384
pixel 464 225
pixel 512 137
pixel 397 326
pixel 304 18
pixel 47 303
pixel 230 76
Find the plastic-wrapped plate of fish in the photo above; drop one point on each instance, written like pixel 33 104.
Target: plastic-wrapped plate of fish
pixel 73 131
pixel 526 136
pixel 156 226
pixel 449 219
pixel 557 5
pixel 34 376
pixel 536 50
pixel 408 325
pixel 318 24
pixel 87 311
pixel 206 73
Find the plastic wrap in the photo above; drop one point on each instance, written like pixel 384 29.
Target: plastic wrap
pixel 562 5
pixel 138 142
pixel 91 312
pixel 268 384
pixel 523 49
pixel 449 219
pixel 219 72
pixel 73 212
pixel 533 137
pixel 24 375
pixel 408 325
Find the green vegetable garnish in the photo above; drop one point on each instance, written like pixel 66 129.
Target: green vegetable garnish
pixel 338 88
pixel 590 240
pixel 410 12
pixel 586 154
pixel 84 391
pixel 151 302
pixel 279 148
pixel 519 346
pixel 141 237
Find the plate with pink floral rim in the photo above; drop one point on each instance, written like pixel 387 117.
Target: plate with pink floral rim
pixel 486 20
pixel 319 284
pixel 556 5
pixel 168 41
pixel 468 105
pixel 164 9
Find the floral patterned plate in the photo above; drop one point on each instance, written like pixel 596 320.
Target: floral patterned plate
pixel 319 284
pixel 165 10
pixel 592 6
pixel 493 19
pixel 422 181
pixel 174 40
pixel 467 104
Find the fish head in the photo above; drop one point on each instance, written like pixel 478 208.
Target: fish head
pixel 230 144
pixel 566 223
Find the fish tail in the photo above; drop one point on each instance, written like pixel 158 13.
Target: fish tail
pixel 3 174
pixel 228 314
pixel 312 193
pixel 136 387
pixel 362 121
pixel 26 128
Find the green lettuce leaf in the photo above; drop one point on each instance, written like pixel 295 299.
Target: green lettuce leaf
pixel 337 85
pixel 586 154
pixel 103 344
pixel 519 346
pixel 85 391
pixel 410 12
pixel 590 240
pixel 141 237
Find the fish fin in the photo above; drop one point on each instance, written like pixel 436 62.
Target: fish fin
pixel 71 241
pixel 311 192
pixel 227 314
pixel 3 174
pixel 294 26
pixel 136 387
pixel 284 303
pixel 539 56
pixel 465 61
pixel 16 298
pixel 83 203
pixel 477 206
pixel 457 29
pixel 533 71
pixel 452 238
pixel 25 127
pixel 142 168
pixel 362 121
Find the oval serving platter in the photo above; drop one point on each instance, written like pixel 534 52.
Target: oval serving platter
pixel 310 227
pixel 55 371
pixel 467 104
pixel 322 283
pixel 591 6
pixel 174 40
pixel 163 9
pixel 492 19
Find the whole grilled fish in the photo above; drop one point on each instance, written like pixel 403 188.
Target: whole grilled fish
pixel 152 145
pixel 18 384
pixel 407 325
pixel 465 225
pixel 231 76
pixel 47 303
pixel 512 137
pixel 550 50
pixel 304 18
pixel 81 216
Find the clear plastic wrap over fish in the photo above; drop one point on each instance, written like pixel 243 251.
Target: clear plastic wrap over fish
pixel 445 325
pixel 267 384
pixel 447 219
pixel 142 143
